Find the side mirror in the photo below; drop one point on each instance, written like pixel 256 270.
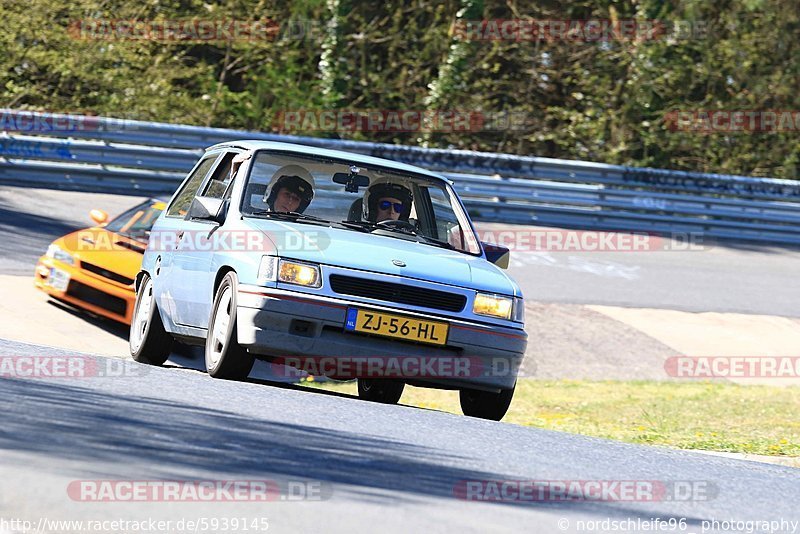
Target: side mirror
pixel 497 254
pixel 206 209
pixel 99 216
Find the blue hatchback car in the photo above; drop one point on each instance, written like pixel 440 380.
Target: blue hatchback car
pixel 334 264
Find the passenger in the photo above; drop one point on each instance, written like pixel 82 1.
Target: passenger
pixel 387 201
pixel 291 189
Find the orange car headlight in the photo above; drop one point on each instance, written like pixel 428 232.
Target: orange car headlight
pixel 59 254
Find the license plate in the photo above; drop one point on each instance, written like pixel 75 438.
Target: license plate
pixel 58 279
pixel 396 326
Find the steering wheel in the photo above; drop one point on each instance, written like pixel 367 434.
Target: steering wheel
pixel 400 225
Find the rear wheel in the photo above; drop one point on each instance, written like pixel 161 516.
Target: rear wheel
pixel 384 390
pixel 148 341
pixel 225 358
pixel 485 404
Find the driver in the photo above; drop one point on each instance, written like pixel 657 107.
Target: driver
pixel 387 201
pixel 291 189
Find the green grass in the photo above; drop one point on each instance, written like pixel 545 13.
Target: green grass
pixel 698 415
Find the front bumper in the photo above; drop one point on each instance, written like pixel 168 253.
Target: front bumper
pixel 280 323
pixel 87 291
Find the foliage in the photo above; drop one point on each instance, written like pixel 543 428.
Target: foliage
pixel 596 100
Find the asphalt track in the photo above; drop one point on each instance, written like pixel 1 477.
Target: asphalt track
pixel 363 466
pixel 366 466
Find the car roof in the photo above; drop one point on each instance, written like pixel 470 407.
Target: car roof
pixel 324 152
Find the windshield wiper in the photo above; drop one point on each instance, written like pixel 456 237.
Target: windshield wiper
pixel 291 216
pixel 364 225
pixel 370 226
pixel 359 225
pixel 141 236
pixel 437 242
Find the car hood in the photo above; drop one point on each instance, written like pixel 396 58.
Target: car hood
pixel 105 249
pixel 377 253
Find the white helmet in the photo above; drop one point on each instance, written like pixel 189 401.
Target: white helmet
pixel 296 179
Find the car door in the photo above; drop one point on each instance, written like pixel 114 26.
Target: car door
pixel 164 236
pixel 193 279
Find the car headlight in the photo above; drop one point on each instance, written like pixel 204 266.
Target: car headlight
pixel 274 269
pixel 59 254
pixel 302 274
pixel 493 305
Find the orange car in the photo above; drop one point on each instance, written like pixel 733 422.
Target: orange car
pixel 94 268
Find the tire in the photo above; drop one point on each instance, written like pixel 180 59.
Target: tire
pixel 383 390
pixel 148 341
pixel 484 404
pixel 225 358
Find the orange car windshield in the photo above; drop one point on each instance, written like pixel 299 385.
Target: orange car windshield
pixel 137 221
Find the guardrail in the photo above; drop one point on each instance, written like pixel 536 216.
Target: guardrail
pixel 148 158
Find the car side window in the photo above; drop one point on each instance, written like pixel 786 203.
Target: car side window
pixel 220 178
pixel 185 196
pixel 445 222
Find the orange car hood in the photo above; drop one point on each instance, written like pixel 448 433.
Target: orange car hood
pixel 105 249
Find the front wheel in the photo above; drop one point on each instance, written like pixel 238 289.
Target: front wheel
pixel 225 358
pixel 383 390
pixel 485 404
pixel 148 341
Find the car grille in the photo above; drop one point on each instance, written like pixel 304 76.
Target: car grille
pixel 98 298
pixel 399 293
pixel 105 273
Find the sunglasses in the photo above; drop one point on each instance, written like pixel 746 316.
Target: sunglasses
pixel 385 205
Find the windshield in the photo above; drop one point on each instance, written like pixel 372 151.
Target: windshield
pixel 137 221
pixel 357 197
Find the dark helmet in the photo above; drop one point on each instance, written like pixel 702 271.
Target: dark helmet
pixel 375 192
pixel 297 180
